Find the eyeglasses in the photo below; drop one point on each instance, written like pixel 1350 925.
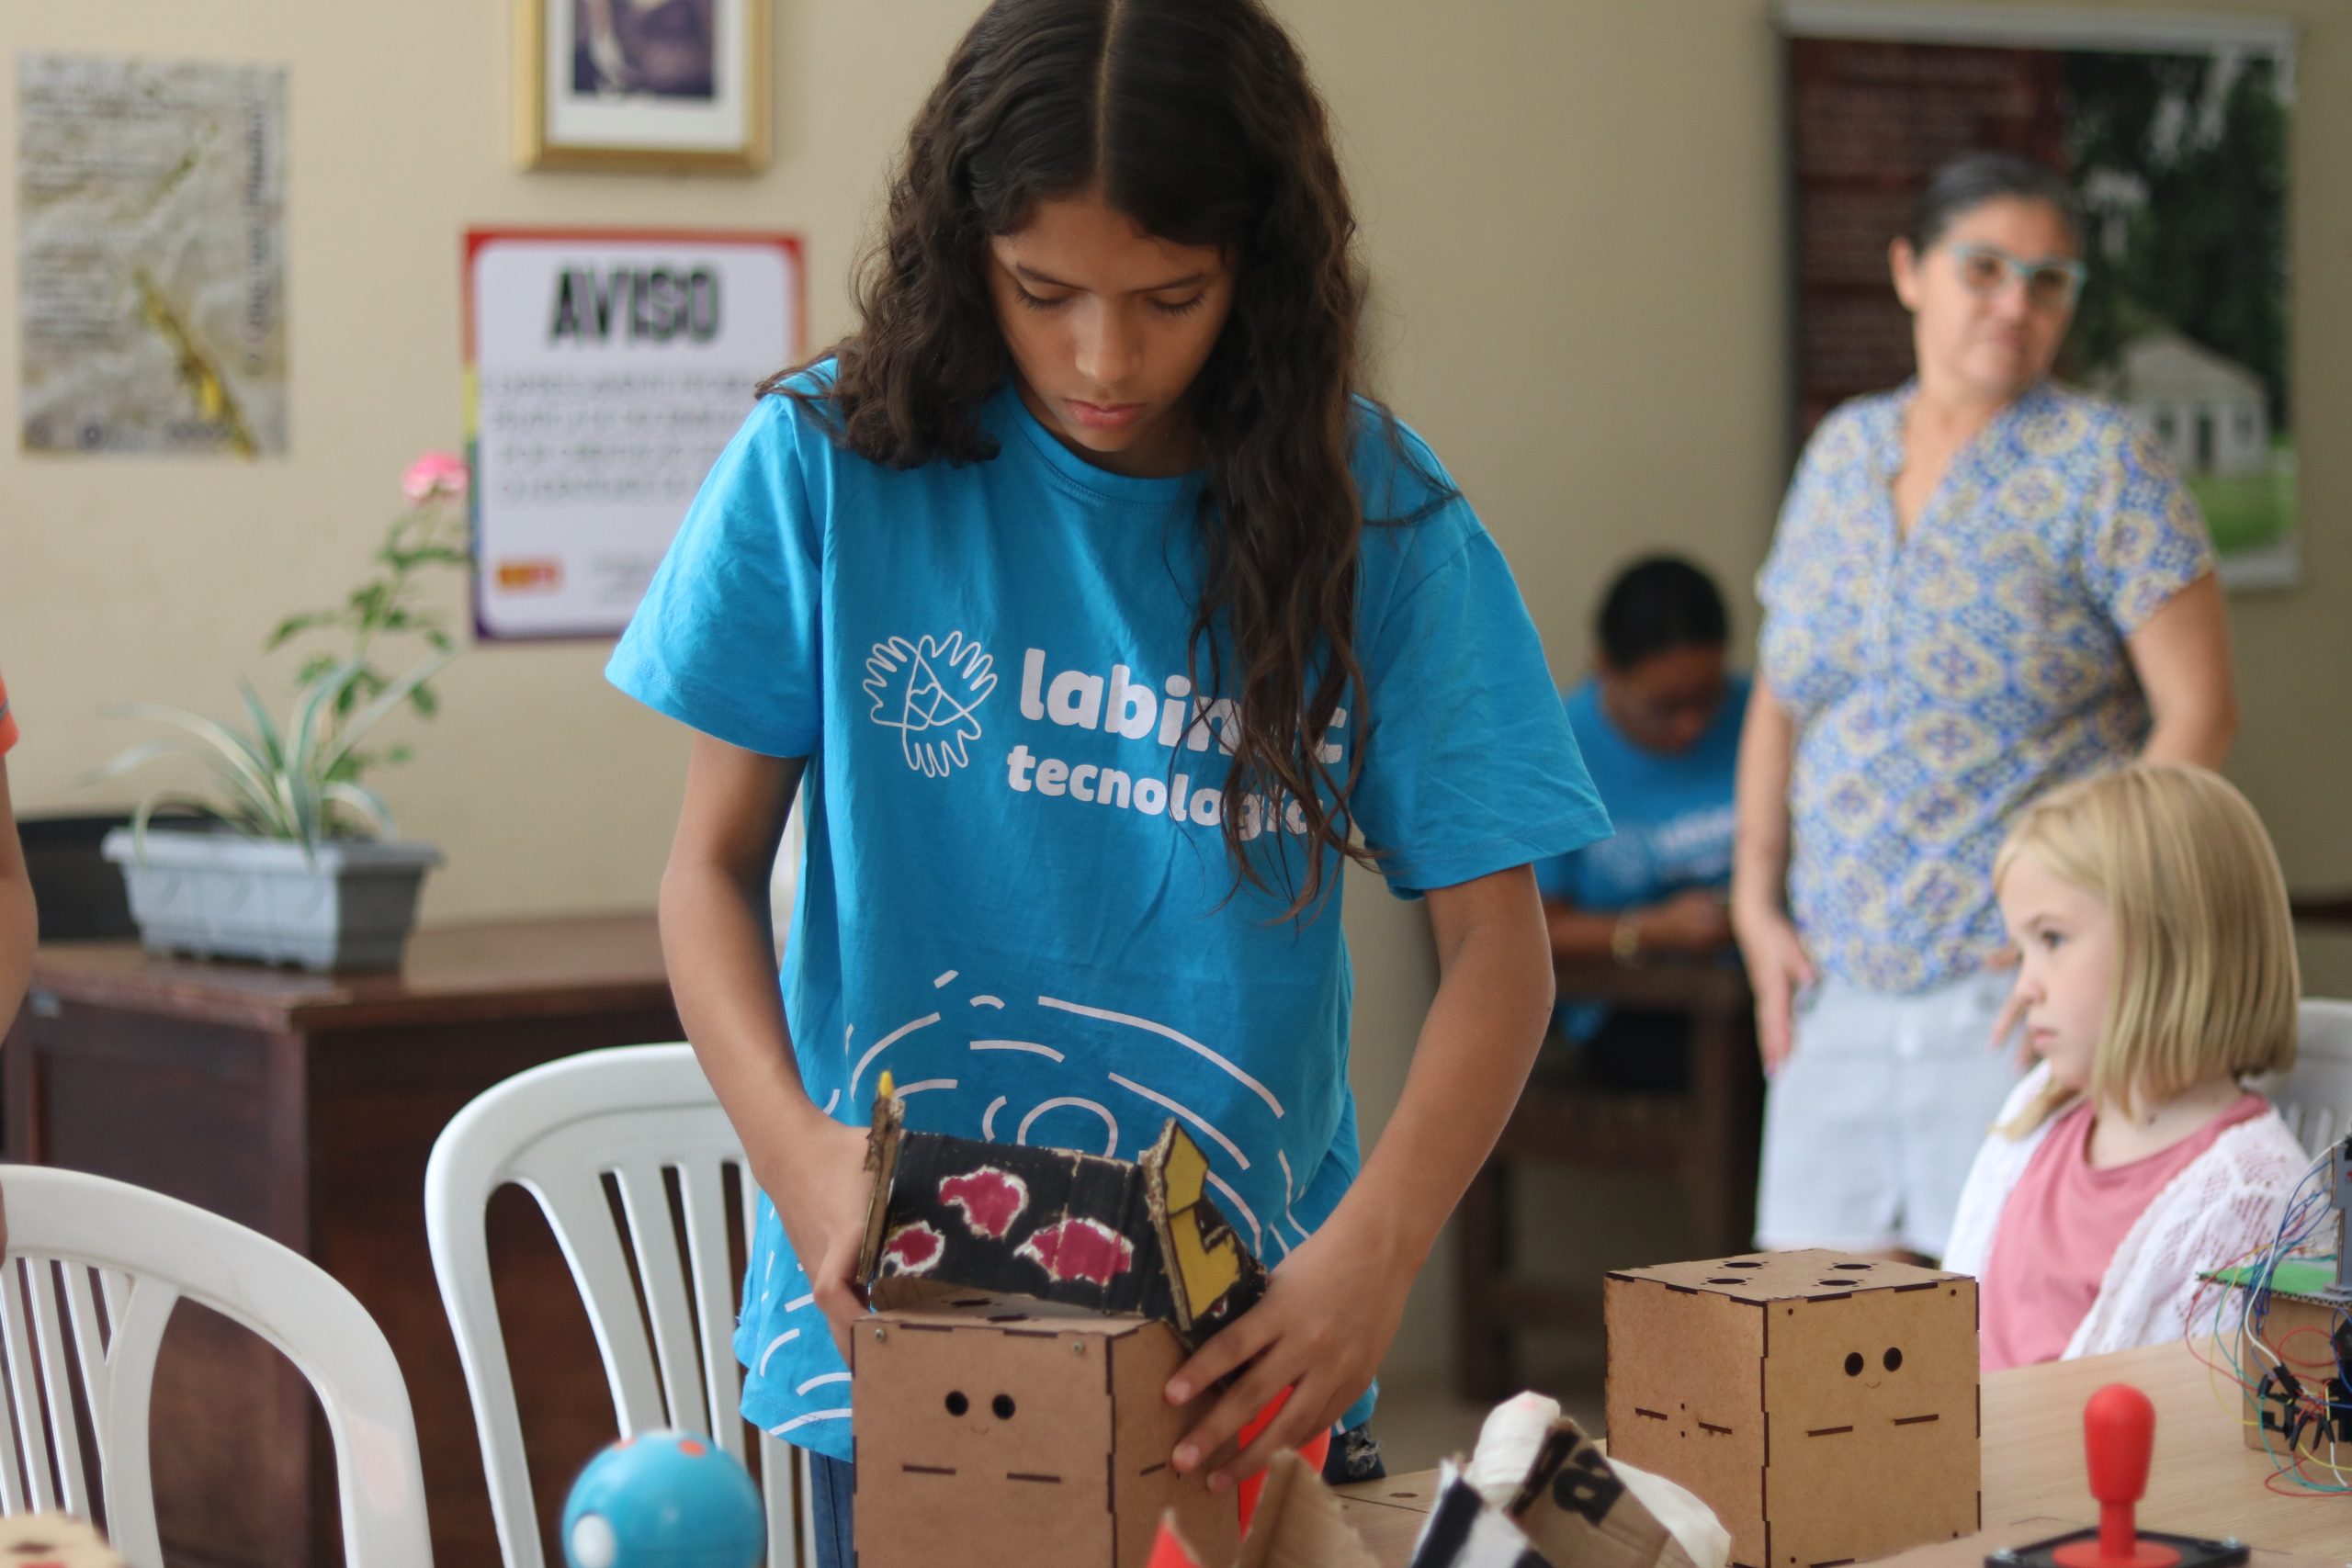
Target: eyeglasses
pixel 2050 284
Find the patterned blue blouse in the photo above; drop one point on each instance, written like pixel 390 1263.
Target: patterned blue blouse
pixel 1940 682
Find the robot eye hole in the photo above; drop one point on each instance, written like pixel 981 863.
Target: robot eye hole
pixel 957 1403
pixel 1854 1364
pixel 1893 1358
pixel 1002 1405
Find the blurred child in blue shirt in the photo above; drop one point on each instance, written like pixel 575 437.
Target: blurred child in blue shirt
pixel 1659 723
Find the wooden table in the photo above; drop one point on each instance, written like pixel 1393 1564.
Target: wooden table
pixel 2203 1480
pixel 304 1106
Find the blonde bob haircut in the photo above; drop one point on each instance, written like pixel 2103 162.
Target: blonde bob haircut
pixel 2206 978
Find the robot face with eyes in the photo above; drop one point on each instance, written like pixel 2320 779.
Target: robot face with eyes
pixel 1849 1387
pixel 1029 1436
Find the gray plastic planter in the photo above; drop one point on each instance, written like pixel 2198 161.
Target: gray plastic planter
pixel 347 906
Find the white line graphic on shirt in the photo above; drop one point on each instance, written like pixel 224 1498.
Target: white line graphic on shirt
pixel 1290 1195
pixel 1110 1150
pixel 1125 1046
pixel 927 690
pixel 1186 1041
pixel 797 1303
pixel 1188 1113
pixel 841 1415
pixel 1257 1241
pixel 885 1042
pixel 1029 1045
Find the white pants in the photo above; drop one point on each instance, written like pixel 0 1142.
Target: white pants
pixel 1871 1123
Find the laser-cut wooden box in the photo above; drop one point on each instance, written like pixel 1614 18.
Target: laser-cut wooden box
pixel 997 1432
pixel 1826 1407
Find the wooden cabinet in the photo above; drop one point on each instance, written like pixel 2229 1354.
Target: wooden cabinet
pixel 304 1106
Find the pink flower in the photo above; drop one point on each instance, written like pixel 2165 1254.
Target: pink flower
pixel 435 473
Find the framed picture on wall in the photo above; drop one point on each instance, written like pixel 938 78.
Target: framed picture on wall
pixel 642 85
pixel 2174 132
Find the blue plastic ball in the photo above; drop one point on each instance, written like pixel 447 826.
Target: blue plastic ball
pixel 664 1500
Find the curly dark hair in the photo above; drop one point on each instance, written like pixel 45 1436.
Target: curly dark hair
pixel 1196 119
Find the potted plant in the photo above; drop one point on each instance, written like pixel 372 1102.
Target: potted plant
pixel 292 857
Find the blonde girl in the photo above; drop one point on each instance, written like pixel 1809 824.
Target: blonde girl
pixel 2157 973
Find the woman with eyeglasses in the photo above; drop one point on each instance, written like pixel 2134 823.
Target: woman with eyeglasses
pixel 1982 584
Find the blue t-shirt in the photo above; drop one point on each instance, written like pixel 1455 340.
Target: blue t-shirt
pixel 1015 895
pixel 1673 817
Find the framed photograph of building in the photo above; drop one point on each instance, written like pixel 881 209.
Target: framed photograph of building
pixel 642 85
pixel 2174 132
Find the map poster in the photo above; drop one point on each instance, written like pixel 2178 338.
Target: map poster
pixel 606 371
pixel 151 255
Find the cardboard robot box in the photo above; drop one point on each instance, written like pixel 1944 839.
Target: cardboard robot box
pixel 1824 1407
pixel 1031 1305
pixel 1003 1433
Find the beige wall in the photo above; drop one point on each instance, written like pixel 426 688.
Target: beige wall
pixel 1573 208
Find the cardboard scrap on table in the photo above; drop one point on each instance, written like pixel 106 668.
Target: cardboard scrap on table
pixel 1297 1525
pixel 54 1540
pixel 1575 1508
pixel 1126 1238
pixel 1570 1508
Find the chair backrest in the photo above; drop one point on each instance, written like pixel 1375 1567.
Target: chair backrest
pixel 640 1117
pixel 2315 1097
pixel 120 1257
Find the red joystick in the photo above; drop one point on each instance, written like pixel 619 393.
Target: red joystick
pixel 2119 1429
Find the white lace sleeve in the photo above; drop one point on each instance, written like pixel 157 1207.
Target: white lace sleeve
pixel 2224 1205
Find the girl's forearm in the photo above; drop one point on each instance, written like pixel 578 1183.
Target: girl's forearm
pixel 718 942
pixel 1493 1003
pixel 18 926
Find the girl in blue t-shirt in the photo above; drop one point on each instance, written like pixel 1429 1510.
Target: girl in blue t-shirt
pixel 1096 619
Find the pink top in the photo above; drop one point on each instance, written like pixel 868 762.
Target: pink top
pixel 2061 1227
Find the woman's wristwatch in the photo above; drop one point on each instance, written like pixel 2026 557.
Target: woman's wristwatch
pixel 1626 939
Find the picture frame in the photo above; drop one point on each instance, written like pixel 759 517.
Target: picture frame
pixel 2175 131
pixel 675 85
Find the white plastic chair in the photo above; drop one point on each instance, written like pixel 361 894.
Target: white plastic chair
pixel 559 1131
pixel 2315 1097
pixel 148 1252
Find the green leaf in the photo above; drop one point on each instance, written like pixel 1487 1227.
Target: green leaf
pixel 306 736
pixel 393 695
pixel 264 731
pixel 148 807
pixel 241 753
pixel 368 805
pixel 244 799
pixel 293 626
